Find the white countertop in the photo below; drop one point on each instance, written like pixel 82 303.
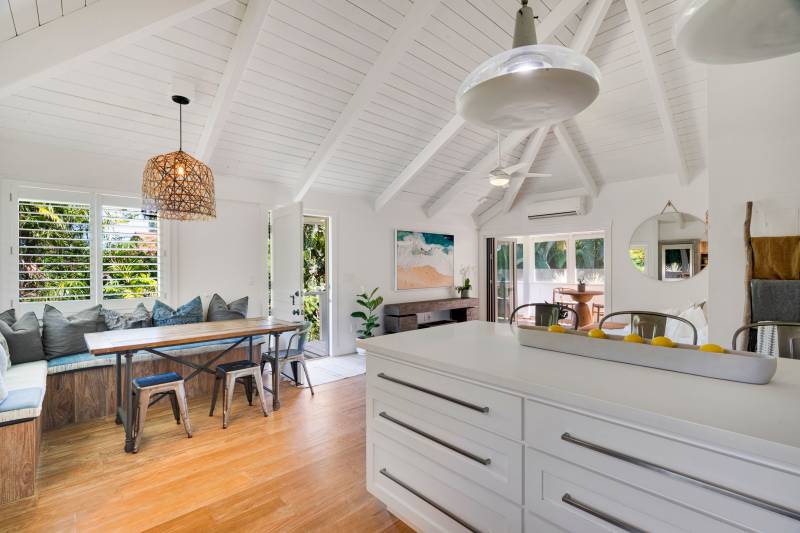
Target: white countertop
pixel 488 353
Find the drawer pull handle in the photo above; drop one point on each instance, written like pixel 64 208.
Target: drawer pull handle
pixel 430 502
pixel 710 485
pixel 434 393
pixel 437 440
pixel 569 500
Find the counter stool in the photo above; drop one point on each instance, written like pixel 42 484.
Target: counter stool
pixel 144 388
pixel 245 372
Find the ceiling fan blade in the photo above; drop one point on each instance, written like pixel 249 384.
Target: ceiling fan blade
pixel 536 175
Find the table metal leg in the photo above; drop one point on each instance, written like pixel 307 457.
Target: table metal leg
pixel 119 388
pixel 129 403
pixel 250 351
pixel 276 374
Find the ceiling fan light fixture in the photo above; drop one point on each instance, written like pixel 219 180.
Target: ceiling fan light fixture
pixel 530 85
pixel 499 180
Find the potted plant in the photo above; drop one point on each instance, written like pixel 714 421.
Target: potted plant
pixel 370 302
pixel 581 285
pixel 465 287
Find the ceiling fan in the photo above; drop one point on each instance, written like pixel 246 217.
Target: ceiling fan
pixel 501 176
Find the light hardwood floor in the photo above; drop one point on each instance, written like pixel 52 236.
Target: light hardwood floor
pixel 300 469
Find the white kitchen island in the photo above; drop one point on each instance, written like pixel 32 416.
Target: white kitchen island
pixel 468 430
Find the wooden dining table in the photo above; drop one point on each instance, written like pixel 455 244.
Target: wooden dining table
pixel 125 343
pixel 582 299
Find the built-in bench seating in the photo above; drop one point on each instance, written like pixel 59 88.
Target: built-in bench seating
pixel 46 395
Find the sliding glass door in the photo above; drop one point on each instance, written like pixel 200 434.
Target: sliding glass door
pixel 505 279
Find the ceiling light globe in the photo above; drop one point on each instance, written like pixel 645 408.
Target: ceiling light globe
pixel 720 32
pixel 527 87
pixel 499 181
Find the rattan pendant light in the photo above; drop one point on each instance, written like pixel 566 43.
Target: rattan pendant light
pixel 176 185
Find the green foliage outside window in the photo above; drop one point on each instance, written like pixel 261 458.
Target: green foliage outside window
pixel 589 253
pixel 314 274
pixel 130 254
pixel 550 255
pixel 637 256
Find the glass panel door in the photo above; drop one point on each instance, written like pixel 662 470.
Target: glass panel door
pixel 505 274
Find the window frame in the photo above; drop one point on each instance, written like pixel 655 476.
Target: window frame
pixel 96 199
pixel 572 261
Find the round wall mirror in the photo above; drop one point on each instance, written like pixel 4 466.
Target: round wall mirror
pixel 671 246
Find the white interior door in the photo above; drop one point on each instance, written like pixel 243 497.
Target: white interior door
pixel 287 262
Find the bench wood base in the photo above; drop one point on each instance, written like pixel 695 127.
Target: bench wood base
pixel 19 458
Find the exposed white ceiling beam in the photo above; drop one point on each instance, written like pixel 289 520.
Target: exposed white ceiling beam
pixel 401 40
pixel 419 162
pixel 659 91
pixel 554 20
pixel 249 30
pixel 592 19
pixel 480 170
pixel 528 157
pixel 85 35
pixel 565 139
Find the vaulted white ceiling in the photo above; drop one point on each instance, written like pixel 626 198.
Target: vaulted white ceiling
pixel 355 96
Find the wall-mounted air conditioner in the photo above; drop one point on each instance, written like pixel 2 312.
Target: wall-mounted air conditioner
pixel 564 207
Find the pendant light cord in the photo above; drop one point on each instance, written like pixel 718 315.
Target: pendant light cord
pixel 180 128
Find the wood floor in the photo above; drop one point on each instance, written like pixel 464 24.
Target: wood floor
pixel 300 469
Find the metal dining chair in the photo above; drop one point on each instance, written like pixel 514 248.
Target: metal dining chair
pixel 772 338
pixel 650 324
pixel 296 354
pixel 545 314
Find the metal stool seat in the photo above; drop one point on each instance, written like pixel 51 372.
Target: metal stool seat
pixel 248 373
pixel 167 384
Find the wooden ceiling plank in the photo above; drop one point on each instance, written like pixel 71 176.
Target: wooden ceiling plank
pixel 249 31
pixel 671 139
pixel 401 40
pixel 86 35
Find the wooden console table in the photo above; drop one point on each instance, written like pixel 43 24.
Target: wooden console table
pixel 404 316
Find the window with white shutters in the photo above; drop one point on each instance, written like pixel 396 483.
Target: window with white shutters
pixel 54 251
pixel 130 253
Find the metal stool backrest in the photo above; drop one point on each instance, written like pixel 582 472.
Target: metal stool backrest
pixel 650 324
pixel 545 314
pixel 777 338
pixel 301 335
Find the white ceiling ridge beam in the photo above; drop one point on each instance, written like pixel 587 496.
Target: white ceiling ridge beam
pixel 87 34
pixel 401 40
pixel 250 28
pixel 566 142
pixel 587 31
pixel 484 166
pixel 659 91
pixel 419 162
pixel 530 154
pixel 546 29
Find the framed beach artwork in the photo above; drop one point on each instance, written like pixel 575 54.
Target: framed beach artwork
pixel 423 260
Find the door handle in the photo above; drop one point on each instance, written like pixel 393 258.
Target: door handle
pixel 296 294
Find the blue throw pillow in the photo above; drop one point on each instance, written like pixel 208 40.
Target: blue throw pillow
pixel 188 313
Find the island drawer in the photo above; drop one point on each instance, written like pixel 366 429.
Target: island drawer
pixel 431 498
pixel 730 485
pixel 578 500
pixel 481 406
pixel 488 459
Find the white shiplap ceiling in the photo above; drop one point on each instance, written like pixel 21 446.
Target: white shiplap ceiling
pixel 327 99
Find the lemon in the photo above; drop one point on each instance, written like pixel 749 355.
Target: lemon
pixel 665 342
pixel 597 333
pixel 556 328
pixel 713 348
pixel 633 337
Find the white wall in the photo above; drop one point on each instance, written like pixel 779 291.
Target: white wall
pixel 363 252
pixel 618 210
pixel 754 154
pixel 228 255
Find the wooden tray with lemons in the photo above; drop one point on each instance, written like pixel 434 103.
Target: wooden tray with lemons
pixel 708 360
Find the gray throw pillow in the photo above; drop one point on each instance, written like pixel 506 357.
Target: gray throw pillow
pixel 219 310
pixel 64 335
pixel 9 316
pixel 138 318
pixel 23 337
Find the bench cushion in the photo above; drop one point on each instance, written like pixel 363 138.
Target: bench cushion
pixel 86 360
pixel 26 387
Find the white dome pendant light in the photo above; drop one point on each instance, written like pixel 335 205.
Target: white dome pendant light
pixel 530 85
pixel 722 32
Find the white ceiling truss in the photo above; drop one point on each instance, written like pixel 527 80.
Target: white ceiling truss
pixel 353 96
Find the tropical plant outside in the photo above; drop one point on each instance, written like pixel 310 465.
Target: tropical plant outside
pixel 550 260
pixel 314 274
pixel 590 260
pixel 637 256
